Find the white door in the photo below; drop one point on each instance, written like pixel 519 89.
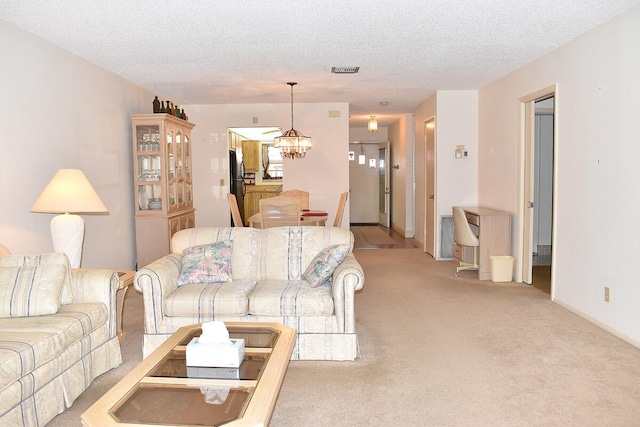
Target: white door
pixel 529 200
pixel 430 187
pixel 384 187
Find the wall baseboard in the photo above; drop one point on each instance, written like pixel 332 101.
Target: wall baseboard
pixel 598 323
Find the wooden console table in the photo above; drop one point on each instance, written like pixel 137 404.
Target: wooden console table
pixel 494 233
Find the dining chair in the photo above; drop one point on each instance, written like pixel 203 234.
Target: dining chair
pixel 303 196
pixel 279 211
pixel 235 212
pixel 337 222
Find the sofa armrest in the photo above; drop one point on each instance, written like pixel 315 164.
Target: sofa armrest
pixel 348 278
pixel 97 286
pixel 156 281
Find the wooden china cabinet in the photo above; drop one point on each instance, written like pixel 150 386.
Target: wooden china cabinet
pixel 163 182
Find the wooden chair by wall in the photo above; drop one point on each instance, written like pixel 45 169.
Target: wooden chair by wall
pixel 337 222
pixel 303 196
pixel 279 211
pixel 235 212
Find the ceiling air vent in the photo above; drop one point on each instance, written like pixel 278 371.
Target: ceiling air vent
pixel 344 70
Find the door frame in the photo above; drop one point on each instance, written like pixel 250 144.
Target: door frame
pixel 384 189
pixel 523 248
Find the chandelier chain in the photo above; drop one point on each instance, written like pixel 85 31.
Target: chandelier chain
pixel 292 84
pixel 292 144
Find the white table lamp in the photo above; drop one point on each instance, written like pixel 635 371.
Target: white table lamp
pixel 69 193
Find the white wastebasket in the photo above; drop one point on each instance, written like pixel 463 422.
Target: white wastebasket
pixel 501 268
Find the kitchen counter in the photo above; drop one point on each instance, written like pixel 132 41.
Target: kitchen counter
pixel 263 188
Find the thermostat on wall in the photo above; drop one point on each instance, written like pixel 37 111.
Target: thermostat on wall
pixel 460 152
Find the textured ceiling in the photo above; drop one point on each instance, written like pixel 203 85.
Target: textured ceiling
pixel 244 51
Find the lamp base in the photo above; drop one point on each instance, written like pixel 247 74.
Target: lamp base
pixel 67 233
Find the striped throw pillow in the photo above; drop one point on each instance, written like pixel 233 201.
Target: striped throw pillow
pixel 30 291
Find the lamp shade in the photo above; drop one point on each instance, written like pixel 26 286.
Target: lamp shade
pixel 69 191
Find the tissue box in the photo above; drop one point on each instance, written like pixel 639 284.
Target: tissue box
pixel 215 355
pixel 217 373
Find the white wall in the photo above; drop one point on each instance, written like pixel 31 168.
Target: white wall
pixel 61 111
pixel 597 174
pixel 543 198
pixel 324 172
pixel 456 120
pixel 361 134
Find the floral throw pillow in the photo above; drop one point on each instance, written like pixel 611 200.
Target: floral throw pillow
pixel 210 263
pixel 321 268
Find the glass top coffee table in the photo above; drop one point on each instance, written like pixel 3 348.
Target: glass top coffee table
pixel 160 392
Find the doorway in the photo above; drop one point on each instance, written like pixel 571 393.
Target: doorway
pixel 369 178
pixel 430 187
pixel 537 189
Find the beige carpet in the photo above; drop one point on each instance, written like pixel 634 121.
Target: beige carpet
pixel 376 236
pixel 444 351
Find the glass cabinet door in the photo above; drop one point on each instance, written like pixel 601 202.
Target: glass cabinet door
pixel 187 171
pixel 148 167
pixel 179 170
pixel 171 165
pixel 162 169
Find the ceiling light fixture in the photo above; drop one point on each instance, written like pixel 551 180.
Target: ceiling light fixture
pixel 292 143
pixel 372 125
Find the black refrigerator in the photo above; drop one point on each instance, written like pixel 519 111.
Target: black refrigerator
pixel 236 179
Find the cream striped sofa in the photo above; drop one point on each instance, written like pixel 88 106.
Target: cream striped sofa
pixel 47 361
pixel 266 286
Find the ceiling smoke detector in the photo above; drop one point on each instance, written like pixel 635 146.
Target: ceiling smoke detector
pixel 345 70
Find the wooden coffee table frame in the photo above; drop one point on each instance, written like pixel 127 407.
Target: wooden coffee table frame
pixel 260 406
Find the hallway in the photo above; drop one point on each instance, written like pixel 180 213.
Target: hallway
pixel 379 237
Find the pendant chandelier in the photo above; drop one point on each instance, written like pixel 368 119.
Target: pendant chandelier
pixel 292 143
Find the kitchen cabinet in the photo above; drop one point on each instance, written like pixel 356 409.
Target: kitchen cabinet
pixel 251 155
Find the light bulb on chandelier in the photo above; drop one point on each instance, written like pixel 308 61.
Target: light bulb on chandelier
pixel 292 144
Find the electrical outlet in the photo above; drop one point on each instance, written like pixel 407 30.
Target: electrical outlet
pixel 607 293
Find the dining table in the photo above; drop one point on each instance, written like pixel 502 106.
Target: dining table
pixel 307 217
